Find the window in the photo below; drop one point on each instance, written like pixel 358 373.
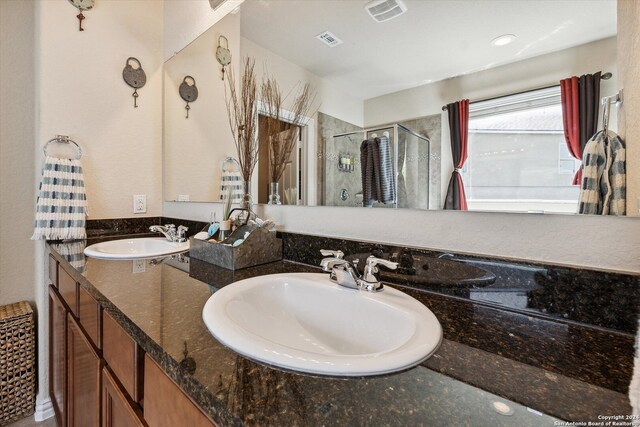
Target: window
pixel 518 159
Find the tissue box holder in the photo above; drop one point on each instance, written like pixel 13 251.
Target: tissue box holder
pixel 260 247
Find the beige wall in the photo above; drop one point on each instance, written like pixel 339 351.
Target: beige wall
pixel 589 241
pixel 82 94
pixel 330 99
pixel 185 20
pixel 17 146
pixel 195 148
pixel 79 91
pixel 533 73
pixel 629 113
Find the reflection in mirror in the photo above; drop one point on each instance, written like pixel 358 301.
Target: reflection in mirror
pixel 390 80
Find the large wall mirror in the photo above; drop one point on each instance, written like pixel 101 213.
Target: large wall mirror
pixel 391 79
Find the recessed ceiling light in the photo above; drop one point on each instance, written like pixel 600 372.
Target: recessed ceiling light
pixel 503 40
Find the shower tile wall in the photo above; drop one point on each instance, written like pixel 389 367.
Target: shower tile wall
pixel 428 126
pixel 332 180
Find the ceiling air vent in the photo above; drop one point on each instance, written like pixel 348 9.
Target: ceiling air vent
pixel 329 39
pixel 383 10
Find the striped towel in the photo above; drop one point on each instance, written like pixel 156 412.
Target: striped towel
pixel 74 253
pixel 603 189
pixel 61 208
pixel 366 163
pixel 615 201
pixel 384 170
pixel 231 180
pixel 378 180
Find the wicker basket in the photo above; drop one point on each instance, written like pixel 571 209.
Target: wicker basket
pixel 17 362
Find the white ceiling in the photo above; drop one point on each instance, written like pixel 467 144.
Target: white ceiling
pixel 433 40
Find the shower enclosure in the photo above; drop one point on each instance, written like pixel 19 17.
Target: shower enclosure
pixel 410 153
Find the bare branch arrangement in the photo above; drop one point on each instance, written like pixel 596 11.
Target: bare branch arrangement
pixel 282 133
pixel 242 112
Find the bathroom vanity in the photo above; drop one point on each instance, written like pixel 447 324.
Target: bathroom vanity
pixel 128 346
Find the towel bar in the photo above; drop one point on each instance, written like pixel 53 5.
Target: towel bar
pixel 62 139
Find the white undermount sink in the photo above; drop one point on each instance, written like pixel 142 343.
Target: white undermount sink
pixel 305 322
pixel 145 247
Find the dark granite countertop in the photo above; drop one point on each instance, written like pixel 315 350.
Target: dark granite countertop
pixel 488 355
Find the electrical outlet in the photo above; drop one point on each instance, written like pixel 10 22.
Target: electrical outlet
pixel 139 203
pixel 139 266
pixel 183 197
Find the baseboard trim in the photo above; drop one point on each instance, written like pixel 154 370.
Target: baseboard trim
pixel 44 410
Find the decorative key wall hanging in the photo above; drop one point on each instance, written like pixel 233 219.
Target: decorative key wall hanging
pixel 134 77
pixel 82 5
pixel 223 54
pixel 188 92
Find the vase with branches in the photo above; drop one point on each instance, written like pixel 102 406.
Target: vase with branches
pixel 243 119
pixel 282 132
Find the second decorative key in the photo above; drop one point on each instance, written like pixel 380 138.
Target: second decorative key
pixel 188 92
pixel 134 77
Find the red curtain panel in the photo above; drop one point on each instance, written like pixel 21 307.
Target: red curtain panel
pixel 580 111
pixel 458 113
pixel 571 119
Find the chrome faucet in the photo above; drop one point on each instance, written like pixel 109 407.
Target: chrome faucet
pixel 345 273
pixel 169 231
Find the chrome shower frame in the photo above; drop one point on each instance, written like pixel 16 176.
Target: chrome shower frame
pixel 396 127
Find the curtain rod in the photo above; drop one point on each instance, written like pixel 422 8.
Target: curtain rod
pixel 605 76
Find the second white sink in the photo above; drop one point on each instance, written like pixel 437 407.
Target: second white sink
pixel 305 322
pixel 145 247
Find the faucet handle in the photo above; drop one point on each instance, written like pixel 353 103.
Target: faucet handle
pixel 327 252
pixel 170 226
pixel 371 268
pixel 373 261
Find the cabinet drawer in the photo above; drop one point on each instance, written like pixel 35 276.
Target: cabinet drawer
pixel 89 314
pixel 53 271
pixel 165 404
pixel 118 410
pixel 123 356
pixel 68 290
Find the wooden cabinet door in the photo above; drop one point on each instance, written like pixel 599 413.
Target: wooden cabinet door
pixel 83 376
pixel 58 356
pixel 118 410
pixel 123 355
pixel 90 318
pixel 165 404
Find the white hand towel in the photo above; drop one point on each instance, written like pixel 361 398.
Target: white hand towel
pixel 61 208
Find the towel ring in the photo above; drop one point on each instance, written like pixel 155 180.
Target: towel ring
pixel 231 161
pixel 63 139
